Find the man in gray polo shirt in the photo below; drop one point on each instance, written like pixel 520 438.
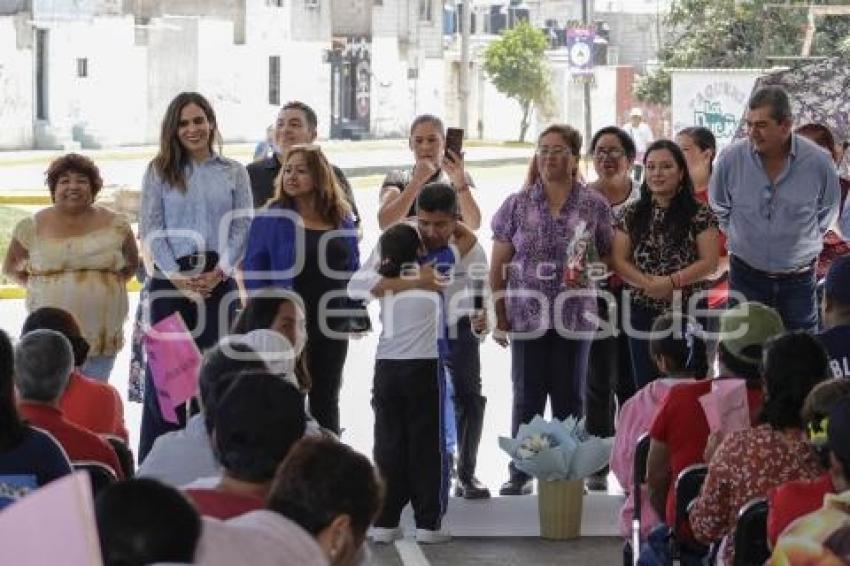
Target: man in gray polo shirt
pixel 775 195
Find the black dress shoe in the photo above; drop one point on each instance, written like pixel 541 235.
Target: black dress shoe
pixel 516 487
pixel 472 489
pixel 596 483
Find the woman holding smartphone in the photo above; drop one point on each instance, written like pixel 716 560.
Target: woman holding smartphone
pixel 435 161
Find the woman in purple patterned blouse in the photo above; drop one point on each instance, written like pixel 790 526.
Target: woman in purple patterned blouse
pixel 544 240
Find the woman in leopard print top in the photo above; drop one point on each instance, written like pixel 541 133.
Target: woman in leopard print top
pixel 665 246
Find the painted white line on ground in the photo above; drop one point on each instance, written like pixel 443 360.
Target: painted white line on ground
pixel 410 553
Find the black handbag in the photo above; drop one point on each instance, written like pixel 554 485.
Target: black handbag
pixel 355 322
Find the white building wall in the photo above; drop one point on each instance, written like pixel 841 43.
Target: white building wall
pixel 307 77
pixel 393 99
pixel 16 88
pixel 107 104
pixel 172 65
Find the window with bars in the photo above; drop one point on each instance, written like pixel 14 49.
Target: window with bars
pixel 274 79
pixel 82 67
pixel 425 10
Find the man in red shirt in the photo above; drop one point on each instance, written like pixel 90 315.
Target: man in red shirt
pixel 92 404
pixel 679 431
pixel 44 361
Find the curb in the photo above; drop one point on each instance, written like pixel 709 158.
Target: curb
pixel 28 198
pixel 370 170
pixel 8 292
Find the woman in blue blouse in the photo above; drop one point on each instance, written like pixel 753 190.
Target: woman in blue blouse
pixel 305 240
pixel 195 214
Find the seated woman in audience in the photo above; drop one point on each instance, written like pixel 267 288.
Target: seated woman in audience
pixel 794 499
pixel 679 352
pixel 750 462
pixel 184 456
pixel 142 521
pixel 256 422
pixel 24 450
pixel 77 256
pixel 281 310
pixel 664 247
pixel 92 404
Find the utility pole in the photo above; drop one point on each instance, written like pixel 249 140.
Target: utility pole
pixel 585 20
pixel 466 24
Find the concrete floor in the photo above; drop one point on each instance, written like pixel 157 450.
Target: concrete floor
pixel 595 551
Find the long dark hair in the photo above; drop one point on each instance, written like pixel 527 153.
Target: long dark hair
pixel 793 364
pixel 173 157
pixel 682 208
pixel 11 426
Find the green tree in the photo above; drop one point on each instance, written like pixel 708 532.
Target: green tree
pixel 516 65
pixel 731 34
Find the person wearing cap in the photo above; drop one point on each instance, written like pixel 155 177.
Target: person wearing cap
pixel 823 537
pixel 679 432
pixel 642 135
pixel 679 351
pixel 836 317
pixel 775 195
pixel 257 421
pixel 749 462
pixel 794 499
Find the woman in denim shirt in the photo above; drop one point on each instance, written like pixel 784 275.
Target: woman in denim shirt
pixel 195 213
pixel 305 240
pixel 545 303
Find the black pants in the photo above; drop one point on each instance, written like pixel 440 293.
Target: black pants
pixel 609 373
pixel 153 425
pixel 409 445
pixel 465 364
pixel 550 367
pixel 325 361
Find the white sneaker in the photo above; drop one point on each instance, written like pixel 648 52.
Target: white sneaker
pixel 425 536
pixel 384 535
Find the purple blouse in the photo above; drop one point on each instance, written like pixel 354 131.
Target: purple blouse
pixel 540 245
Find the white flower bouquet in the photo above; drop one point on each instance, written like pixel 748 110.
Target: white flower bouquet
pixel 557 450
